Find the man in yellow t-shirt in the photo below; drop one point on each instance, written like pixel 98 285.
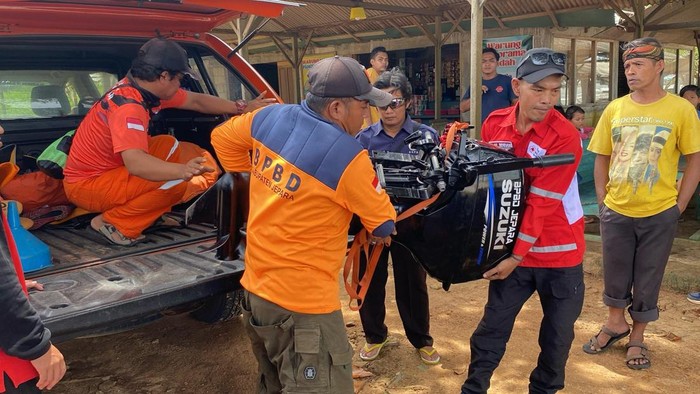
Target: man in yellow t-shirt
pixel 379 62
pixel 638 142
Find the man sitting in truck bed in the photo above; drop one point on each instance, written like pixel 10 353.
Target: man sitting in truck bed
pixel 115 168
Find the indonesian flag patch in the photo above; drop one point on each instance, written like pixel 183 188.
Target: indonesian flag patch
pixel 535 150
pixel 375 184
pixel 135 124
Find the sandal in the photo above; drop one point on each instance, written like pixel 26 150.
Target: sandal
pixel 167 220
pixel 643 355
pixel 370 351
pixel 594 347
pixel 116 237
pixel 429 355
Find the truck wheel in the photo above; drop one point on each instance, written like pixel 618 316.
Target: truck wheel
pixel 220 308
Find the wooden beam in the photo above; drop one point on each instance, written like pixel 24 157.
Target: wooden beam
pixel 286 29
pixel 638 9
pixel 419 25
pixel 335 23
pixel 384 19
pixel 674 26
pixel 655 11
pixel 234 27
pixel 283 48
pixel 550 13
pixel 379 7
pixel 531 15
pixel 488 8
pixel 308 43
pixel 397 27
pixel 249 24
pixel 621 13
pixel 455 25
pixel 438 68
pixel 475 79
pixel 298 89
pixel 348 32
pixel 639 16
pixel 600 33
pixel 280 24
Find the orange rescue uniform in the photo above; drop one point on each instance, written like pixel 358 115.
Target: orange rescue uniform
pixel 308 177
pixel 95 176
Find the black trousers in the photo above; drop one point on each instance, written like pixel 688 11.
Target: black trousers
pixel 561 296
pixel 28 387
pixel 411 298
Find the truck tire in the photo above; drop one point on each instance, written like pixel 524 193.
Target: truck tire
pixel 220 308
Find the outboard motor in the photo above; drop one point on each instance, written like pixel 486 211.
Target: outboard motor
pixel 473 224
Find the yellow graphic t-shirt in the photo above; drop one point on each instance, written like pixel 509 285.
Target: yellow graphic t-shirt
pixel 372 75
pixel 645 142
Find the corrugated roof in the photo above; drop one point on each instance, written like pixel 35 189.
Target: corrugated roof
pixel 328 20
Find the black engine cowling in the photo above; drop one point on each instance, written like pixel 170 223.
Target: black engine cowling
pixel 473 224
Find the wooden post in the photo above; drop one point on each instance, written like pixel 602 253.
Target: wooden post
pixel 297 69
pixel 477 31
pixel 438 66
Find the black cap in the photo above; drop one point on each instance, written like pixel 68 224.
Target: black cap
pixel 533 73
pixel 340 76
pixel 167 55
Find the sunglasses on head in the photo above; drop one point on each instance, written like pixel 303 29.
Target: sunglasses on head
pixel 395 103
pixel 542 58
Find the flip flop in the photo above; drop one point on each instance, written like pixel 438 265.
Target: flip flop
pixel 593 346
pixel 429 355
pixel 48 214
pixel 643 355
pixel 370 351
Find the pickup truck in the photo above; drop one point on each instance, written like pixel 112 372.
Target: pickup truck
pixel 57 57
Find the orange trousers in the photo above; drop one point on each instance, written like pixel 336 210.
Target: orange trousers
pixel 129 203
pixel 198 184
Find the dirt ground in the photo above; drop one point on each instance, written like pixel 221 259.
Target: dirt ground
pixel 180 355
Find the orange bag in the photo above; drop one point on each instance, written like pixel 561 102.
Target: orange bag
pixel 35 190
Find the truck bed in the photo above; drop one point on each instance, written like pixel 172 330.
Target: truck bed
pixel 95 284
pixel 78 245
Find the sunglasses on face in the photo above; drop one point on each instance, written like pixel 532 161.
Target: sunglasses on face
pixel 395 103
pixel 542 58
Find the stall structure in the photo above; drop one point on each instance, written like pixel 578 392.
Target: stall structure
pixel 438 43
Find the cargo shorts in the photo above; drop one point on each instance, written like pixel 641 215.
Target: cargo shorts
pixel 298 352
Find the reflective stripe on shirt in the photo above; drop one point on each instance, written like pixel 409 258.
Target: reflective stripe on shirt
pixel 527 238
pixel 554 248
pixel 546 193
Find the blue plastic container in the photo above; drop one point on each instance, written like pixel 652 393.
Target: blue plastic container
pixel 33 253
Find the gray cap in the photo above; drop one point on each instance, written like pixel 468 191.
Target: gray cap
pixel 166 55
pixel 533 73
pixel 340 76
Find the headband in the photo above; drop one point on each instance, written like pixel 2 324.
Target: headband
pixel 646 51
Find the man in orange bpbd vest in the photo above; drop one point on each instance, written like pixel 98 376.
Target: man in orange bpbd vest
pixel 308 177
pixel 114 167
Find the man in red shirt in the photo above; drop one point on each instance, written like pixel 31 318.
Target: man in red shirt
pixel 549 249
pixel 114 167
pixel 29 362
